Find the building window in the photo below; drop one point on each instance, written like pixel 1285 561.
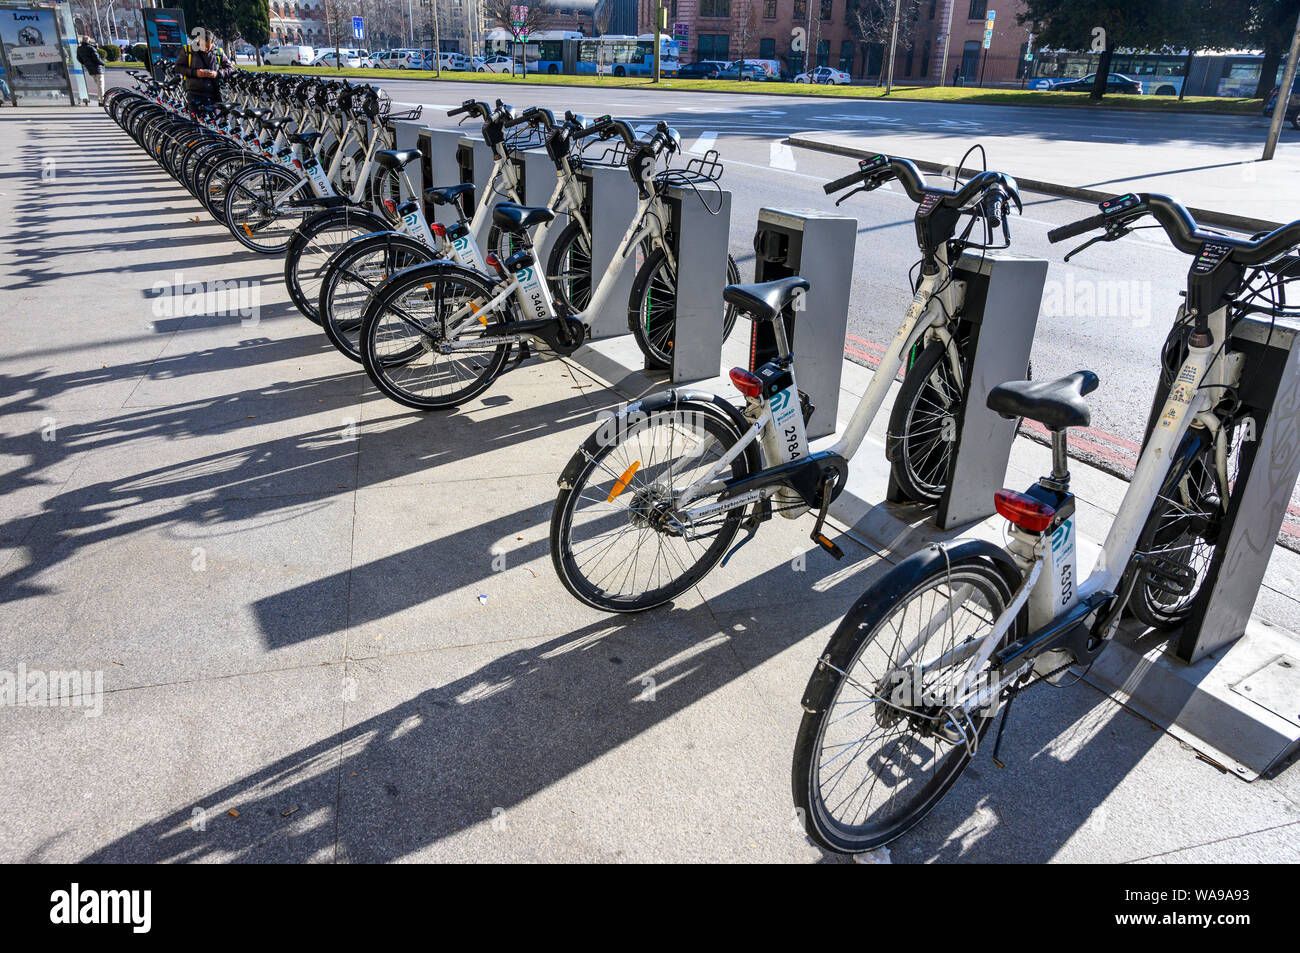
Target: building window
pixel 715 8
pixel 978 8
pixel 800 11
pixel 925 59
pixel 848 52
pixel 907 63
pixel 823 52
pixel 933 4
pixel 674 9
pixel 713 46
pixel 826 9
pixel 769 9
pixel 767 48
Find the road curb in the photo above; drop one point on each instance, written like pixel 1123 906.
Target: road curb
pixel 1223 219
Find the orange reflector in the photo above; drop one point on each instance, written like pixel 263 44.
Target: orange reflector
pixel 623 481
pixel 1024 511
pixel 247 230
pixel 748 384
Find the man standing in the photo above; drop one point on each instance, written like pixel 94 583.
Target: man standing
pixel 204 65
pixel 88 57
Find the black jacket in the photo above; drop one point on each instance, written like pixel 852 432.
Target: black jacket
pixel 192 60
pixel 88 57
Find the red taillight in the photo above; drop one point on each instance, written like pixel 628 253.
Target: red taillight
pixel 747 383
pixel 495 263
pixel 391 206
pixel 1024 511
pixel 438 229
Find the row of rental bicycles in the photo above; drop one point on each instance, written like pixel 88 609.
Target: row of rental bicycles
pixel 901 698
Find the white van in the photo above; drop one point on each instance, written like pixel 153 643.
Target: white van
pixel 289 56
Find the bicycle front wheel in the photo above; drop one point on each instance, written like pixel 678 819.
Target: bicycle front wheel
pixel 885 733
pixel 568 268
pixel 652 309
pixel 616 542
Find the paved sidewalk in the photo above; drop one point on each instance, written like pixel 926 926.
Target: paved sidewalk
pixel 1224 184
pixel 329 629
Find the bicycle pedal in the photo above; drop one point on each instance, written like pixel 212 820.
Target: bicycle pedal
pixel 827 544
pixel 1165 575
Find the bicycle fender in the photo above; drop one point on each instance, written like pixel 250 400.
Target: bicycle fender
pixel 673 397
pixel 896 583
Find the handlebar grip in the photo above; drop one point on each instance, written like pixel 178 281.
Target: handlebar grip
pixel 1077 228
pixel 458 111
pixel 853 178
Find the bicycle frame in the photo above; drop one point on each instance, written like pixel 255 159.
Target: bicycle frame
pixel 936 297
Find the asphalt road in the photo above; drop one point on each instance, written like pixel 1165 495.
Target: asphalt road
pixel 1135 284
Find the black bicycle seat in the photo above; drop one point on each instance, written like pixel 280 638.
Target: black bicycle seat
pixel 447 194
pixel 1054 404
pixel 517 218
pixel 395 159
pixel 766 300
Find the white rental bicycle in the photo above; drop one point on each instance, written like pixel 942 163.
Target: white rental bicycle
pixel 651 502
pixel 916 672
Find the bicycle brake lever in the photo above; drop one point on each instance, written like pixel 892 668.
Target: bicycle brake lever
pixel 1112 234
pixel 848 195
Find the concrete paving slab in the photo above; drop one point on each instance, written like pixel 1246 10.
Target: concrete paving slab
pixel 155 777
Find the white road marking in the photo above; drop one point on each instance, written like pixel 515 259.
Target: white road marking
pixel 704 143
pixel 782 157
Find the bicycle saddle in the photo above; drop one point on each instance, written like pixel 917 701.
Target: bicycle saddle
pixel 275 124
pixel 766 300
pixel 447 194
pixel 395 159
pixel 305 138
pixel 1054 404
pixel 516 218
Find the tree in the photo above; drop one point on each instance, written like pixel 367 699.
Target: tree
pixel 502 13
pixel 219 16
pixel 744 27
pixel 872 22
pixel 1270 24
pixel 1102 26
pixel 253 18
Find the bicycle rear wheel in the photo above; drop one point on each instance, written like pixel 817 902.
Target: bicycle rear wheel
pixel 313 244
pixel 614 542
pixel 568 268
pixel 353 275
pixel 255 209
pixel 423 338
pixel 884 735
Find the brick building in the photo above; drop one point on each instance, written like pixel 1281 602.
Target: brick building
pixel 765 29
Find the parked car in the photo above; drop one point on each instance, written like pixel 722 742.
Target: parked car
pixel 701 69
pixel 1115 83
pixel 350 59
pixel 290 56
pixel 496 64
pixel 404 59
pixel 824 75
pixel 747 71
pixel 450 60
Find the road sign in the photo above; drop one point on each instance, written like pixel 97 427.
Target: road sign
pixel 988 38
pixel 681 31
pixel 358 28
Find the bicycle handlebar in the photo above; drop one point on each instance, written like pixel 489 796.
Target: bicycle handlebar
pixel 1183 231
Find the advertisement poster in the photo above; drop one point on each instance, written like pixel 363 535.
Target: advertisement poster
pixel 35 68
pixel 164 32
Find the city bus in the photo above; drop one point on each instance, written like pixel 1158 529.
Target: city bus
pixel 627 55
pixel 1230 73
